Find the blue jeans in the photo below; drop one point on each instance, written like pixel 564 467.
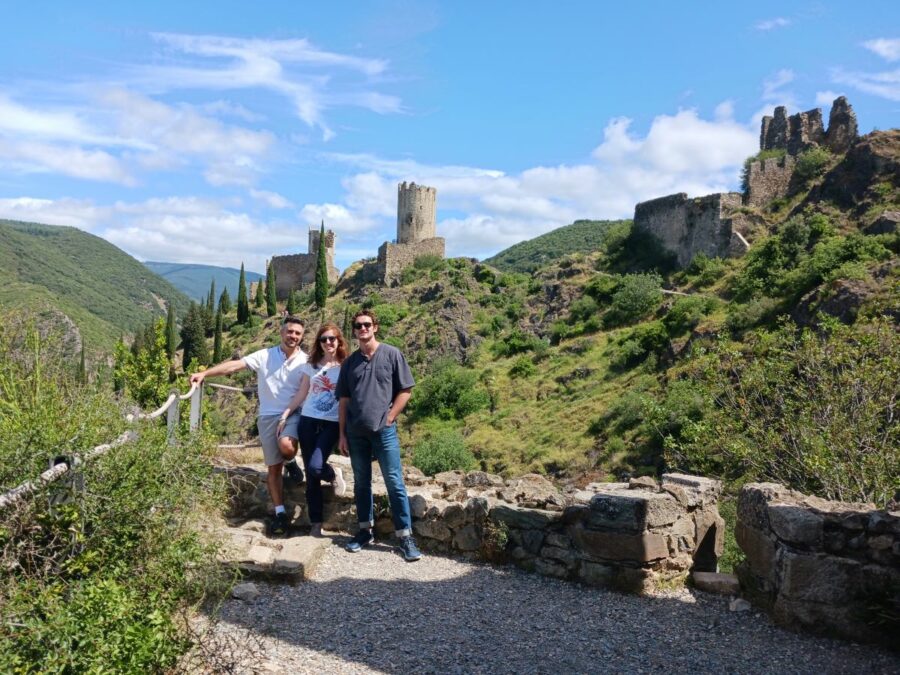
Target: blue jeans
pixel 317 440
pixel 383 446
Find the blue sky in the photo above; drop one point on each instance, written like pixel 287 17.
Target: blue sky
pixel 219 132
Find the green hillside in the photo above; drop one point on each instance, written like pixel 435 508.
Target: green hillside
pixel 193 280
pixel 582 236
pixel 101 288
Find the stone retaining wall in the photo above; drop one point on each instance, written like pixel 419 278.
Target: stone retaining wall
pixel 623 535
pixel 829 567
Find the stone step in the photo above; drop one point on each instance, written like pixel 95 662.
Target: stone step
pixel 255 555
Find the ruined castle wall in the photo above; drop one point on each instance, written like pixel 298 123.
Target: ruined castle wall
pixel 686 227
pixel 293 272
pixel 821 565
pixel 416 213
pixel 769 179
pixel 393 258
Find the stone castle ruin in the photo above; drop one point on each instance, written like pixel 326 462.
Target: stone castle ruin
pixel 718 225
pixel 416 232
pixel 293 272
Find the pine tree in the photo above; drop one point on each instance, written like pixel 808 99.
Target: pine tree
pixel 321 271
pixel 292 302
pixel 171 332
pixel 243 305
pixel 271 304
pixel 225 301
pixel 193 337
pixel 218 342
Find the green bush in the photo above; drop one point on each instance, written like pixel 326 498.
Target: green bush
pixel 637 296
pixel 430 262
pixel 602 286
pixel 518 342
pixel 635 346
pixel 582 309
pixel 686 313
pixel 448 392
pixel 705 271
pixel 749 315
pixel 815 410
pixel 522 367
pixel 812 163
pixel 444 450
pixel 758 157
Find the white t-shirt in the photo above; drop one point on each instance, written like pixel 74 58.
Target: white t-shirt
pixel 321 401
pixel 278 378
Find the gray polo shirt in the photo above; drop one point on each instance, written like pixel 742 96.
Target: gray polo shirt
pixel 371 385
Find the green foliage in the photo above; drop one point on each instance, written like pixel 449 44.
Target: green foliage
pixel 171 332
pixel 762 155
pixel 144 375
pixel 430 262
pixel 628 249
pixel 449 391
pixel 209 314
pixel 518 342
pixel 45 408
pixel 259 298
pixel 636 345
pixel 686 313
pixel 271 300
pixel 812 163
pixel 522 367
pixel 581 236
pixel 443 450
pixel 103 289
pixel 636 296
pixel 218 341
pixel 602 286
pixel 193 338
pixel 225 302
pixel 321 271
pixel 814 410
pixel 243 302
pixel 704 271
pixel 292 306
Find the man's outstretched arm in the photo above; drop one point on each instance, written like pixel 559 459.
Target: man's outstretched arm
pixel 224 368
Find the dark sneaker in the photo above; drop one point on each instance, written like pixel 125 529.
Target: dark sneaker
pixel 362 538
pixel 408 548
pixel 294 472
pixel 279 525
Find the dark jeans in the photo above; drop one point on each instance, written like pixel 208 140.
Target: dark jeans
pixel 383 446
pixel 317 440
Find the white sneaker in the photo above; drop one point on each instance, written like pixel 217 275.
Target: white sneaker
pixel 340 487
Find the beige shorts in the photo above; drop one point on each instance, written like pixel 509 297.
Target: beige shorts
pixel 268 439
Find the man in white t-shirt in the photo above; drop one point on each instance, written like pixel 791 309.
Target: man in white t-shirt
pixel 278 370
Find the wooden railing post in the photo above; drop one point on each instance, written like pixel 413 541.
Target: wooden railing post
pixel 172 420
pixel 196 410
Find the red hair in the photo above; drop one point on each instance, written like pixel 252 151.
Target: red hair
pixel 317 355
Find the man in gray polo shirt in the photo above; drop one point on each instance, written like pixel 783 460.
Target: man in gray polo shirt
pixel 278 371
pixel 373 388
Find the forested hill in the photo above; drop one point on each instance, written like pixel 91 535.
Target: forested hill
pixel 582 236
pixel 194 280
pixel 101 288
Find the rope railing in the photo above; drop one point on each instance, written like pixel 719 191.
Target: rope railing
pixel 170 408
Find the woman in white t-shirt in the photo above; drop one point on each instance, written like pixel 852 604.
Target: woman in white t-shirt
pixel 316 425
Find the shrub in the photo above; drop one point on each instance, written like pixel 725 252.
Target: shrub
pixel 758 157
pixel 686 313
pixel 444 450
pixel 518 342
pixel 637 296
pixel 812 163
pixel 704 270
pixel 602 286
pixel 582 309
pixel 448 392
pixel 634 347
pixel 754 313
pixel 522 367
pixel 430 262
pixel 815 410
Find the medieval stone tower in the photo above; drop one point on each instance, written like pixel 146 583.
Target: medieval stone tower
pixel 416 213
pixel 293 272
pixel 416 232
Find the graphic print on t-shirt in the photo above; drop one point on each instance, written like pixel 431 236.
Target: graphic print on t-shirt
pixel 322 393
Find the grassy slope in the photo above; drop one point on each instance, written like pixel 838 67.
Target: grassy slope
pixel 581 236
pixel 193 280
pixel 103 289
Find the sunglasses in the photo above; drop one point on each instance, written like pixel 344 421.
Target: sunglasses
pixel 360 326
pixel 327 338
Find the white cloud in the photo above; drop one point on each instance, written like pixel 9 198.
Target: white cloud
pixel 772 85
pixel 886 48
pixel 884 84
pixel 772 24
pixel 271 199
pixel 826 98
pixel 67 160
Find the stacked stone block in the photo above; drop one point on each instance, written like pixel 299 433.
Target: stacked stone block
pixel 293 272
pixel 829 567
pixel 416 232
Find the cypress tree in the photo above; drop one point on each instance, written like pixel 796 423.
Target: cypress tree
pixel 243 305
pixel 193 336
pixel 225 301
pixel 171 332
pixel 209 315
pixel 218 346
pixel 82 366
pixel 271 304
pixel 321 271
pixel 260 298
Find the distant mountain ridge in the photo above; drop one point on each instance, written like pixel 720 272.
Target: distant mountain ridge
pixel 193 280
pixel 102 289
pixel 582 236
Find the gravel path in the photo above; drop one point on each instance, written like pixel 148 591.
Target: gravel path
pixel 373 613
